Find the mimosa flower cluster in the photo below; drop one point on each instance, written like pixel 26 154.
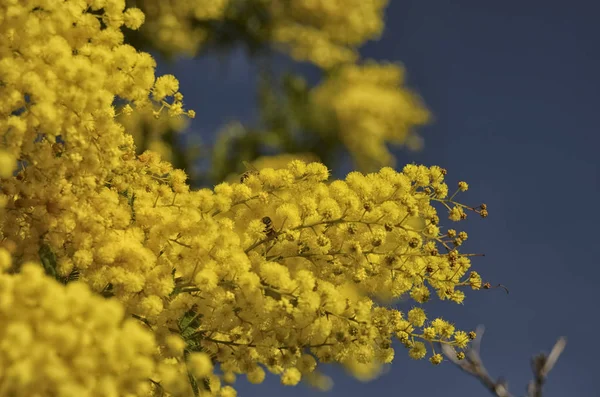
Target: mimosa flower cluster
pixel 370 107
pixel 279 271
pixel 67 341
pixel 276 162
pixel 324 32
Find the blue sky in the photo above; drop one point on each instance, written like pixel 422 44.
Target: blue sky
pixel 514 88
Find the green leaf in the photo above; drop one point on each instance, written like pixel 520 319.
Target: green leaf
pixel 48 259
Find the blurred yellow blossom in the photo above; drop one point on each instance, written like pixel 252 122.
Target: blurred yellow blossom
pixel 56 339
pixel 152 133
pixel 324 32
pixel 369 107
pixel 7 164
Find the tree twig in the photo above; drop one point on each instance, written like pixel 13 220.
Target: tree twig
pixel 542 365
pixel 473 365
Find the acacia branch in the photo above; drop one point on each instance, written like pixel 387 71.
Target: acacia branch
pixel 473 365
pixel 541 365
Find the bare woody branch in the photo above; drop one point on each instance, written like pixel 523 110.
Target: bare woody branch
pixel 472 364
pixel 542 365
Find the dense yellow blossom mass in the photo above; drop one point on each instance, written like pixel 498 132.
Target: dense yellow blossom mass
pixel 66 341
pixel 282 271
